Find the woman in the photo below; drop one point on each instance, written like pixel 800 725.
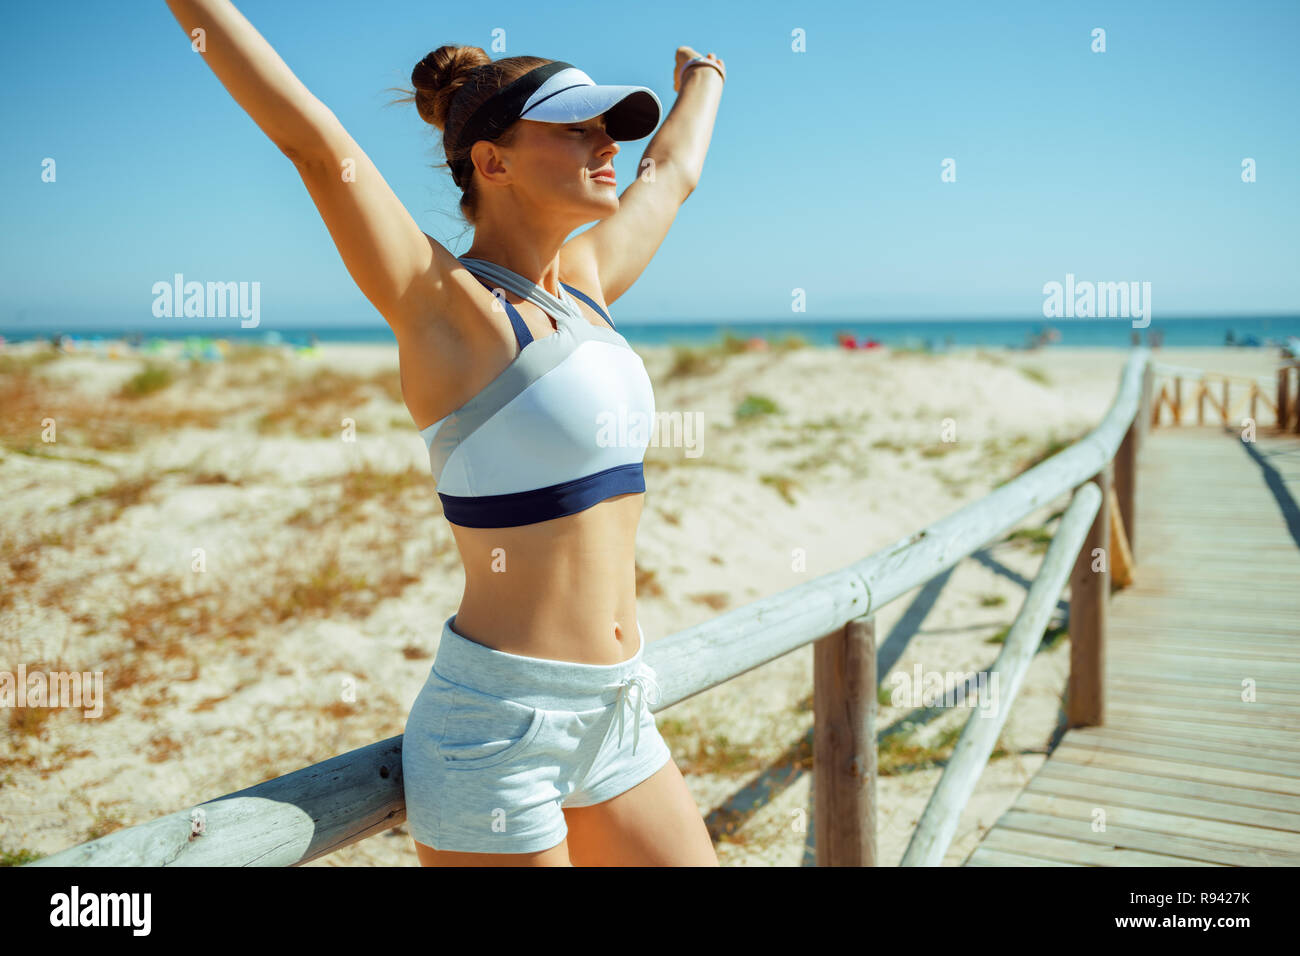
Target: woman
pixel 532 741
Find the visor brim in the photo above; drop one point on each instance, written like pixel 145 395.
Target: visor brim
pixel 631 112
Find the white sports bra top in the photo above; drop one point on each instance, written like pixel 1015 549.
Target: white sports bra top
pixel 564 426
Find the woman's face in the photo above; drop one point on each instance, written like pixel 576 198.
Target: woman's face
pixel 553 166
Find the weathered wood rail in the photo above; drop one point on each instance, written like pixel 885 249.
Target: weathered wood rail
pixel 306 814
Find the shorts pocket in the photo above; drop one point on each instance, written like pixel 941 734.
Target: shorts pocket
pixel 482 730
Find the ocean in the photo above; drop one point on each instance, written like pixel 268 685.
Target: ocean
pixel 931 334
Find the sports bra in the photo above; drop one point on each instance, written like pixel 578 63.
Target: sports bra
pixel 564 426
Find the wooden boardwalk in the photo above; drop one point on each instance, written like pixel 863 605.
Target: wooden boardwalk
pixel 1184 772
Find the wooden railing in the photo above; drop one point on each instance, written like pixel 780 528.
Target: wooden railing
pixel 1283 408
pixel 306 814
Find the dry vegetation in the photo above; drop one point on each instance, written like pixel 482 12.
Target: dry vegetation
pixel 154 630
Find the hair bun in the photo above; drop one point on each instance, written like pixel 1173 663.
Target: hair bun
pixel 439 75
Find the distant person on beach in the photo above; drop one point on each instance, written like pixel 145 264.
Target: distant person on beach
pixel 515 751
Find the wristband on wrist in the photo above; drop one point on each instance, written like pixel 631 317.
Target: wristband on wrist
pixel 698 61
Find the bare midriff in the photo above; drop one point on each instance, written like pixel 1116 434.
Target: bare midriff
pixel 563 589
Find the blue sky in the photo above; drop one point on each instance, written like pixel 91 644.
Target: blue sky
pixel 823 173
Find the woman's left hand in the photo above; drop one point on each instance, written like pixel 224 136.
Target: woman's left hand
pixel 685 54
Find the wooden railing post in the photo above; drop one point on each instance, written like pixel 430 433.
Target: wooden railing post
pixel 1145 398
pixel 1293 409
pixel 1283 374
pixel 1089 595
pixel 1295 405
pixel 1225 400
pixel 1125 465
pixel 1178 400
pixel 1130 452
pixel 844 745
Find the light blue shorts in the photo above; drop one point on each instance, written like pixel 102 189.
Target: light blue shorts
pixel 495 744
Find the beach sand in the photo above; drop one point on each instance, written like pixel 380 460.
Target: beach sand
pixel 326 563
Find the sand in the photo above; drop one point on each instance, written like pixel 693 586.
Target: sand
pixel 327 561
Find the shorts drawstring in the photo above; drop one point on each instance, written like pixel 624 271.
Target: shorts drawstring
pixel 633 691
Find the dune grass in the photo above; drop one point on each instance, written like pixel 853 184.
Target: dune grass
pixel 1051 636
pixel 754 406
pixel 18 857
pixel 783 484
pixel 152 378
pixel 37 408
pixel 698 752
pixel 691 360
pixel 903 752
pixel 315 406
pixel 1053 446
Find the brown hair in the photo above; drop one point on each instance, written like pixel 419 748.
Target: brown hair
pixel 450 83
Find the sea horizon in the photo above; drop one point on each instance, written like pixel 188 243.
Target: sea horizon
pixel 1259 331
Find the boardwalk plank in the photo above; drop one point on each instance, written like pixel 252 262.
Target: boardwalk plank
pixel 1239 648
pixel 1130 838
pixel 1192 753
pixel 1162 767
pixel 1138 672
pixel 1206 704
pixel 1119 710
pixel 1192 729
pixel 984 856
pixel 1125 629
pixel 1174 786
pixel 1162 821
pixel 1220 691
pixel 1081 853
pixel 1194 663
pixel 1106 794
pixel 1149 618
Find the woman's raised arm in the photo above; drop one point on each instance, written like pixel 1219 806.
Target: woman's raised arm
pixel 399 269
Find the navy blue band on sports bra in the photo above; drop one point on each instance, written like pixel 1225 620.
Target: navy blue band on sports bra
pixel 591 302
pixel 563 427
pixel 522 335
pixel 543 504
